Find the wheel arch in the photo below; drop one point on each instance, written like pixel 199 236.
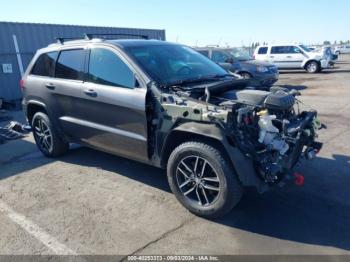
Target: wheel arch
pixel 244 72
pixel 214 136
pixel 33 107
pixel 311 60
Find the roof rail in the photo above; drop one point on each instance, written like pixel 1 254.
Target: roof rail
pixel 62 39
pixel 91 36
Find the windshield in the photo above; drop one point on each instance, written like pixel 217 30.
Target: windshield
pixel 240 54
pixel 171 63
pixel 305 48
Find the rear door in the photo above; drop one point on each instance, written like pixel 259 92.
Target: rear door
pixel 284 57
pixel 113 110
pixel 65 88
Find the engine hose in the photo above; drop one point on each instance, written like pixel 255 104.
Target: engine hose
pixel 307 120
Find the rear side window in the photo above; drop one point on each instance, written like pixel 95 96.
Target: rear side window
pixel 106 68
pixel 279 49
pixel 204 52
pixel 45 64
pixel 285 50
pixel 262 50
pixel 70 64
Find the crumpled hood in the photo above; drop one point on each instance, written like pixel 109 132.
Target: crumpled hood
pixel 317 55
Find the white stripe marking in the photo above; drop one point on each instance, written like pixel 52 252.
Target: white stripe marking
pixel 36 231
pixel 19 59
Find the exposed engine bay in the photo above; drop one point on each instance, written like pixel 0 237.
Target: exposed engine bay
pixel 267 127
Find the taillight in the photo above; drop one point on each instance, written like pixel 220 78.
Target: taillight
pixel 254 56
pixel 21 84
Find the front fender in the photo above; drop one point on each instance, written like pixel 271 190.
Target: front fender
pixel 242 164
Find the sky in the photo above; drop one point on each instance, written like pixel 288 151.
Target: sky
pixel 195 22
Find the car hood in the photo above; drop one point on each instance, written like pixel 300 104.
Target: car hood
pixel 318 54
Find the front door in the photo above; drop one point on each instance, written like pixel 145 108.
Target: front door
pixel 295 57
pixel 113 109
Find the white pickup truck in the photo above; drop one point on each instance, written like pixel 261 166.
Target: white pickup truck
pixel 294 56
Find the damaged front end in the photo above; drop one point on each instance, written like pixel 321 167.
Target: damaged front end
pixel 267 128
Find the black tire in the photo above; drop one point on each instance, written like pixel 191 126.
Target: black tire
pixel 57 146
pixel 230 189
pixel 312 67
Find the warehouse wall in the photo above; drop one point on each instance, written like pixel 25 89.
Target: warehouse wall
pixel 31 36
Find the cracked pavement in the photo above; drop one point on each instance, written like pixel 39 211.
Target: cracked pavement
pixel 95 203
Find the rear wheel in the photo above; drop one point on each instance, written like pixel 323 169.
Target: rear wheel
pixel 46 136
pixel 312 67
pixel 203 180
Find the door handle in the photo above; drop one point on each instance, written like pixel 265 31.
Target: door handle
pixel 90 92
pixel 288 56
pixel 50 86
pixel 271 56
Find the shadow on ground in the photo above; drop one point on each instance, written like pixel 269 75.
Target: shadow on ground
pixel 303 72
pixel 307 215
pixel 317 213
pixel 296 87
pixel 336 71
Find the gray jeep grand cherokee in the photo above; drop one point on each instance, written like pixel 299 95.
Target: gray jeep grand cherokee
pixel 166 105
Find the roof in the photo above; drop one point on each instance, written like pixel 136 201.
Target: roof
pixel 122 43
pixel 137 42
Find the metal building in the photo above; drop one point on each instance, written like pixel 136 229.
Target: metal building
pixel 19 42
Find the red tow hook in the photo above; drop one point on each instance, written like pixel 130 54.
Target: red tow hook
pixel 298 179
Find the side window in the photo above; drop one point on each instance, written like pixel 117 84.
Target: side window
pixel 219 57
pixel 281 49
pixel 262 51
pixel 45 64
pixel 204 52
pixel 294 50
pixel 70 64
pixel 106 68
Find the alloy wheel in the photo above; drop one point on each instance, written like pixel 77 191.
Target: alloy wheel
pixel 312 67
pixel 43 134
pixel 198 180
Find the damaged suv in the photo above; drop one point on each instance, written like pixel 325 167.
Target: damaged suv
pixel 166 105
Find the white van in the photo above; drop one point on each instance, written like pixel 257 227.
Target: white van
pixel 344 49
pixel 292 56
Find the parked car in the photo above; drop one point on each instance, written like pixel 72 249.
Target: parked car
pixel 168 106
pixel 260 74
pixel 344 49
pixel 293 56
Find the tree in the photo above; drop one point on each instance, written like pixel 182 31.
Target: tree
pixel 326 42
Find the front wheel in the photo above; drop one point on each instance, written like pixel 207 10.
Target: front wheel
pixel 312 67
pixel 203 180
pixel 245 75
